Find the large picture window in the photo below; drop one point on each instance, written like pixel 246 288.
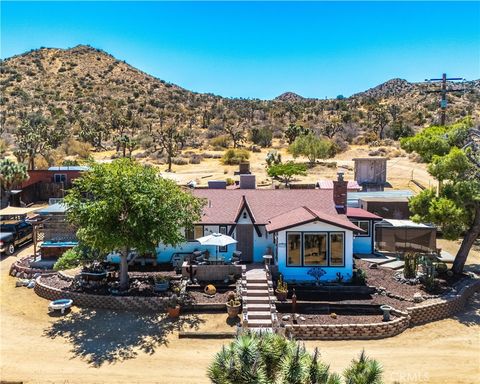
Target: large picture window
pixel 294 248
pixel 337 250
pixel 315 249
pixel 363 224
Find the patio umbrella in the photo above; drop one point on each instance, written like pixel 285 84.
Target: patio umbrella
pixel 216 239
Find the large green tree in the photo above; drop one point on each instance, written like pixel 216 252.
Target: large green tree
pixel 286 171
pixel 451 152
pixel 124 205
pixel 11 175
pixel 312 147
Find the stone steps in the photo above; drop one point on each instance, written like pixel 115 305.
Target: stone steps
pixel 257 292
pixel 259 323
pixel 252 315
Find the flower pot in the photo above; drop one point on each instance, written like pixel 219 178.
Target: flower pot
pixel 233 310
pixel 281 295
pixel 173 312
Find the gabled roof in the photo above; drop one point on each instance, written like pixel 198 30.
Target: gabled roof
pixel 223 205
pixel 264 205
pixel 304 215
pixel 359 213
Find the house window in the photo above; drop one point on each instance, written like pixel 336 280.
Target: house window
pixel 60 178
pixel 315 249
pixel 198 231
pixel 337 250
pixel 189 234
pixel 294 248
pixel 363 224
pixel 223 230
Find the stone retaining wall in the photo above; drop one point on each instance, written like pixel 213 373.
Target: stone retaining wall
pixel 18 269
pixel 348 331
pixel 136 303
pixel 429 311
pixel 443 307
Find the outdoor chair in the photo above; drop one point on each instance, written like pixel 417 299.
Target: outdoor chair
pixel 236 257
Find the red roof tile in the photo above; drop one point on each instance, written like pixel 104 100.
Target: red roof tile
pixel 223 206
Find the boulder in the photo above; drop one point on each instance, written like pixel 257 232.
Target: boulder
pixel 417 297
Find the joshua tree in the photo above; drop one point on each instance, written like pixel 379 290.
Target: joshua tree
pixel 11 174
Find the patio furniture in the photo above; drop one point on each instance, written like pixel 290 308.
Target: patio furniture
pixel 218 240
pixel 60 305
pixel 237 255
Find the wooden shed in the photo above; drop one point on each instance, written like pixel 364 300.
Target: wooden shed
pixel 371 172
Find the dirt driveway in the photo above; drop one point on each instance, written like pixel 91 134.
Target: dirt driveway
pixel 100 346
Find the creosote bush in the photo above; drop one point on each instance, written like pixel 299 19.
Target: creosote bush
pixel 235 156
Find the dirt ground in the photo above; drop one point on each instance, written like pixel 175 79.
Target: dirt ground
pixel 89 346
pixel 400 170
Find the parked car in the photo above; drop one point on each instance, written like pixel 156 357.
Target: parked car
pixel 14 233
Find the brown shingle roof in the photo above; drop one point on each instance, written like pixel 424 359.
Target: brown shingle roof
pixel 360 213
pixel 223 206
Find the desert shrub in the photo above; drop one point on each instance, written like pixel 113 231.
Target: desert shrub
pixel 339 145
pixel 399 130
pixel 230 181
pixel 261 136
pixel 3 147
pixel 73 147
pixel 195 159
pixel 235 156
pixel 179 161
pixel 366 138
pixel 359 277
pixel 70 163
pixel 273 158
pixel 222 141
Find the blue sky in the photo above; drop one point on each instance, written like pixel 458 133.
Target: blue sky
pixel 259 50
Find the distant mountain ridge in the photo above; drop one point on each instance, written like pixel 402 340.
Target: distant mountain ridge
pixel 84 85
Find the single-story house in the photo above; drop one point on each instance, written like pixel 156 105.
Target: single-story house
pixel 302 229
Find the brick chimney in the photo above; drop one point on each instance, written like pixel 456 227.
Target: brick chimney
pixel 340 193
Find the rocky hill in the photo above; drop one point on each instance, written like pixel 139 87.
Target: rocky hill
pixel 290 97
pixel 86 90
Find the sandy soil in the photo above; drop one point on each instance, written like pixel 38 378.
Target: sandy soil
pixel 90 346
pixel 399 169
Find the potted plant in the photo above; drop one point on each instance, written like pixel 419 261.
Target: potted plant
pixel 173 306
pixel 282 289
pixel 161 283
pixel 233 305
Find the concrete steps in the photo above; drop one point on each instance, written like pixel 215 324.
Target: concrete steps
pixel 260 315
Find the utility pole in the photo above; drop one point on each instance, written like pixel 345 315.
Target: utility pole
pixel 443 91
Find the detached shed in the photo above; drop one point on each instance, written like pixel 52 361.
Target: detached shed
pixel 405 236
pixel 371 172
pixel 386 207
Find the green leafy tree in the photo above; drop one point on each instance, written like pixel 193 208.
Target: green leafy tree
pixel 311 147
pixel 268 358
pixel 11 175
pixel 286 171
pixel 455 208
pixel 124 205
pixel 37 135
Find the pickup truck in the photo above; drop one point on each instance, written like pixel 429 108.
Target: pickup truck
pixel 14 233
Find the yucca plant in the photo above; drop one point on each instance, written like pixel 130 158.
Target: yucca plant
pixel 363 371
pixel 410 266
pixel 268 359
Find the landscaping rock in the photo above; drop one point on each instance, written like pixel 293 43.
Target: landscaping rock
pixel 301 318
pixel 373 266
pixel 417 297
pixel 286 318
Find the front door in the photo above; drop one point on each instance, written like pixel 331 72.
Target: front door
pixel 245 241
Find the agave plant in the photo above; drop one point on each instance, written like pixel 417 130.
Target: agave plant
pixel 268 359
pixel 363 371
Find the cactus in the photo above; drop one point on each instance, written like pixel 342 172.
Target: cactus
pixel 410 267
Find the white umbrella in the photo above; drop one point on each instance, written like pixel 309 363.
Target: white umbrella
pixel 216 239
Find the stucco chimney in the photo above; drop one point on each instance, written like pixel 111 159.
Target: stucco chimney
pixel 340 193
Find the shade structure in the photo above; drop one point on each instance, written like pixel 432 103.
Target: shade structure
pixel 216 239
